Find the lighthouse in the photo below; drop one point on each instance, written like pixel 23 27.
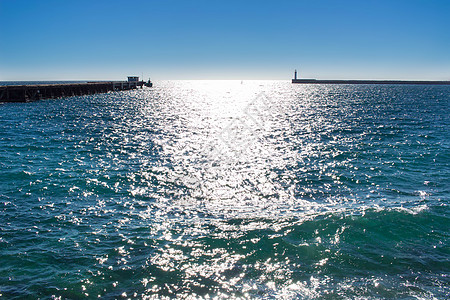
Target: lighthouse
pixel 304 80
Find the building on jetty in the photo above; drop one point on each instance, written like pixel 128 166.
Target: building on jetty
pixel 27 93
pixel 351 81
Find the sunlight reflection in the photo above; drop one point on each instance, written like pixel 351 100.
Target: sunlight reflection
pixel 224 144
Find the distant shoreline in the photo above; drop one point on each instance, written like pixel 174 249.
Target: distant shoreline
pixel 333 81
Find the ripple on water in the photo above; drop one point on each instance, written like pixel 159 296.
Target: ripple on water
pixel 255 190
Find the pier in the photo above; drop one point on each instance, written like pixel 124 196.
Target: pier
pixel 28 93
pixel 351 81
pixel 319 81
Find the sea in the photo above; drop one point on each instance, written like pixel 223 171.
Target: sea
pixel 228 190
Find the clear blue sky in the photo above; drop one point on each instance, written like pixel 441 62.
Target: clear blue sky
pixel 171 39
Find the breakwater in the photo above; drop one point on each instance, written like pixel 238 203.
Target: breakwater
pixel 332 81
pixel 27 93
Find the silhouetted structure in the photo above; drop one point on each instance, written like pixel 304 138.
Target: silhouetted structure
pixel 351 81
pixel 133 78
pixel 26 93
pixel 318 81
pixel 295 80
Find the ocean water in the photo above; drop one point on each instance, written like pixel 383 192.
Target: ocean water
pixel 228 189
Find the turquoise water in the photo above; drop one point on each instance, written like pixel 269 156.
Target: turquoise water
pixel 254 189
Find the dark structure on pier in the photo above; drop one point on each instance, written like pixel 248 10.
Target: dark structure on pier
pixel 332 81
pixel 148 83
pixel 26 93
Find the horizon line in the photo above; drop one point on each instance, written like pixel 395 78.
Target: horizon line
pixel 224 79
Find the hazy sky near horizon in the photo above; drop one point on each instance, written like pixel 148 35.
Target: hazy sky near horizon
pixel 172 39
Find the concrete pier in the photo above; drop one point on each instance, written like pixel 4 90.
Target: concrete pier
pixel 27 93
pixel 321 81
